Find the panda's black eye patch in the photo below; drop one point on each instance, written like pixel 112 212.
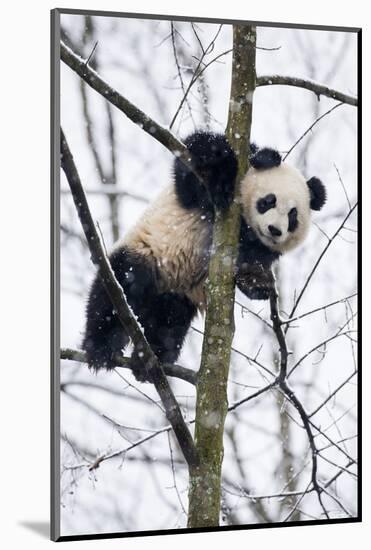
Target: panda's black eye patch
pixel 266 203
pixel 293 220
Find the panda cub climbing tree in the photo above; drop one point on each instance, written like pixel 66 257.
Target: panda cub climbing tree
pixel 162 263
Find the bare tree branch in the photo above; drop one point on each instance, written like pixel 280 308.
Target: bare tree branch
pixel 174 475
pixel 252 396
pixel 322 308
pixel 343 186
pixel 121 452
pixel 330 241
pixel 245 308
pixel 311 85
pixel 317 346
pixel 244 355
pixel 108 190
pixel 307 425
pixel 333 443
pixel 176 371
pixel 158 132
pixel 310 129
pixel 197 73
pixel 338 474
pixel 281 382
pixel 180 76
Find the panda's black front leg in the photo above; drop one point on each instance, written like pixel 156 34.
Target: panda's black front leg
pixel 254 276
pixel 216 162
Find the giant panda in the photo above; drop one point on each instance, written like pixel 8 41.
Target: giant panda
pixel 162 263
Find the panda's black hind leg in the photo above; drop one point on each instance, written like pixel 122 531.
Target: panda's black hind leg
pixel 104 335
pixel 165 317
pixel 101 351
pixel 167 325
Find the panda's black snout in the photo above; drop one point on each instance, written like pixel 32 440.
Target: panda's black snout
pixel 274 231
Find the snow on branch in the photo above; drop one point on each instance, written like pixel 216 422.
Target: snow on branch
pixel 311 85
pixel 115 292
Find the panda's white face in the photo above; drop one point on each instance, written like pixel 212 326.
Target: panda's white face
pixel 276 204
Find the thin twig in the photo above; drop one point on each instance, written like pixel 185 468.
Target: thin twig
pixel 343 186
pixel 180 76
pixel 281 381
pixel 323 343
pixel 310 128
pixel 174 476
pixel 109 190
pixel 277 328
pixel 332 394
pixel 158 132
pixel 338 474
pixel 245 308
pixel 305 419
pixel 333 443
pixel 338 466
pixel 244 355
pixel 91 53
pixel 252 396
pixel 313 270
pixel 322 308
pixel 196 74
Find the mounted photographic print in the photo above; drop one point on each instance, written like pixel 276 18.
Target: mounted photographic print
pixel 205 274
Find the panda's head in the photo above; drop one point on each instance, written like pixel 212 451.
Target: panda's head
pixel 277 201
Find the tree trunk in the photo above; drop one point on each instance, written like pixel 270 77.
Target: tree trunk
pixel 212 403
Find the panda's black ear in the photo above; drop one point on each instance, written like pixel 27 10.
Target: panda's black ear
pixel 318 193
pixel 261 159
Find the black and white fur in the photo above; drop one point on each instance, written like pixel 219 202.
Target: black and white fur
pixel 162 262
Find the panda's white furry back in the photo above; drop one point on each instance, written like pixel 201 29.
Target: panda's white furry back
pixel 177 242
pixel 162 262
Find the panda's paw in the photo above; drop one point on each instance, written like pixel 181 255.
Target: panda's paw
pixel 140 375
pixel 256 282
pixel 138 369
pixel 222 195
pixel 101 360
pixel 259 293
